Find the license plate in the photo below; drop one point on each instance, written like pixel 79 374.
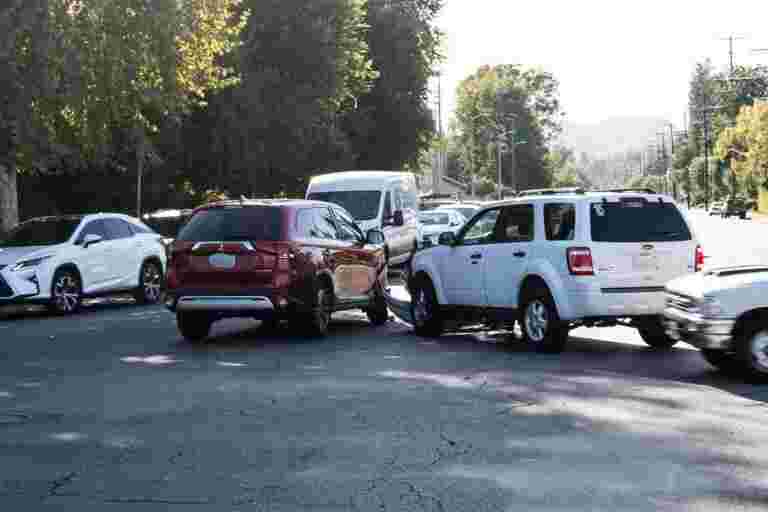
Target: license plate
pixel 224 261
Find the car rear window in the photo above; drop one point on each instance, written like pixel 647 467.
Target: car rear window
pixel 637 220
pixel 235 224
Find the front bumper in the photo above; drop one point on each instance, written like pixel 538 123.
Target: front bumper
pixel 698 331
pixel 19 287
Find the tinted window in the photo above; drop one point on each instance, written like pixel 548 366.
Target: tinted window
pixel 324 224
pixel 481 229
pixel 305 224
pixel 95 227
pixel 515 224
pixel 348 230
pixel 387 206
pixel 117 229
pixel 433 219
pixel 234 224
pixel 142 229
pixel 41 232
pixel 362 204
pixel 560 221
pixel 637 221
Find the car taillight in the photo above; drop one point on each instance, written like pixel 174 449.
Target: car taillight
pixel 285 259
pixel 699 259
pixel 580 261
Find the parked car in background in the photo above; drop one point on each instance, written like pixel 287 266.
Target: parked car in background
pixel 167 222
pixel 274 260
pixel 58 261
pixel 737 207
pixel 468 210
pixel 382 200
pixel 717 208
pixel 724 313
pixel 434 222
pixel 553 261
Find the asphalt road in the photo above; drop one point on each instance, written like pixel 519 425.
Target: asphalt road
pixel 111 410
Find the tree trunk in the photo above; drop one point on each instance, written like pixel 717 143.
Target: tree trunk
pixel 9 202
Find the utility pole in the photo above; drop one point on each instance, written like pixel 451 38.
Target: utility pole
pixel 730 40
pixel 706 161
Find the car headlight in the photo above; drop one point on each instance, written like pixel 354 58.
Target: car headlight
pixel 711 308
pixel 27 264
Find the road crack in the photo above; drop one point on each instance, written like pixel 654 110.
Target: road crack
pixel 57 484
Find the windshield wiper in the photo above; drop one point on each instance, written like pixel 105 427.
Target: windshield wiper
pixel 667 233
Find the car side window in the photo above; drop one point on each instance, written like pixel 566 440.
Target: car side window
pixel 348 230
pixel 305 224
pixel 560 221
pixel 324 225
pixel 387 206
pixel 117 229
pixel 482 228
pixel 95 227
pixel 515 224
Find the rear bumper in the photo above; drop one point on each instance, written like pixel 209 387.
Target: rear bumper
pixel 256 303
pixel 596 303
pixel 697 331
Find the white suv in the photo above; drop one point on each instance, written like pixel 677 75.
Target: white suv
pixel 57 261
pixel 554 260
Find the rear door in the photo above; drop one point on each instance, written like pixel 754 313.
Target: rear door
pixel 356 274
pixel 230 250
pixel 94 262
pixel 125 260
pixel 639 244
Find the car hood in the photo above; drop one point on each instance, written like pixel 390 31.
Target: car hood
pixel 367 225
pixel 436 230
pixel 703 283
pixel 10 255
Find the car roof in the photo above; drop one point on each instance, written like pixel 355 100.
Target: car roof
pixel 82 216
pixel 350 179
pixel 573 196
pixel 458 205
pixel 285 203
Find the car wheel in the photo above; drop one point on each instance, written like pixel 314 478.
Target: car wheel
pixel 319 318
pixel 378 312
pixel 66 292
pixel 195 327
pixel 425 309
pixel 751 346
pixel 724 361
pixel 654 334
pixel 540 323
pixel 269 325
pixel 150 287
pixel 743 216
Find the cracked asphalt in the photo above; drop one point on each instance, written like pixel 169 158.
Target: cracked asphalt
pixel 112 410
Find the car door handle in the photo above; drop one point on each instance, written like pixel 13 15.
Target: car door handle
pixel 518 254
pixel 477 256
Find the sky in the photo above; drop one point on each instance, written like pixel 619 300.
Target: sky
pixel 613 58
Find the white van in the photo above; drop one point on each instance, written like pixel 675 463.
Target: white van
pixel 384 200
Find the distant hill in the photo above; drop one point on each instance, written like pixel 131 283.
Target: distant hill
pixel 614 135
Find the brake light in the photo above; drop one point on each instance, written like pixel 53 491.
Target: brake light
pixel 699 259
pixel 285 259
pixel 580 261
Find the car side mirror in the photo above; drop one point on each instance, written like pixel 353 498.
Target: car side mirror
pixel 446 238
pixel 398 219
pixel 374 237
pixel 91 239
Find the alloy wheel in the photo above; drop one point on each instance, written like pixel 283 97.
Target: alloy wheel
pixel 66 293
pixel 152 283
pixel 536 321
pixel 323 309
pixel 421 307
pixel 759 350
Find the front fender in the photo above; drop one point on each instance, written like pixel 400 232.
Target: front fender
pixel 543 269
pixel 426 261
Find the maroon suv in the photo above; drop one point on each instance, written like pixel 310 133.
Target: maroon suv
pixel 274 260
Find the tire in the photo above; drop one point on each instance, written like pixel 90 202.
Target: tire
pixel 66 292
pixel 195 327
pixel 318 320
pixel 654 334
pixel 150 289
pixel 542 329
pixel 724 361
pixel 270 325
pixel 751 351
pixel 743 215
pixel 425 309
pixel 378 313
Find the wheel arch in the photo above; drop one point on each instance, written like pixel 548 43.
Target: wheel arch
pixel 68 266
pixel 542 273
pixel 152 258
pixel 749 318
pixel 436 284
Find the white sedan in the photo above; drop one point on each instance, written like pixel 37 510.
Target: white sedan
pixel 434 222
pixel 58 261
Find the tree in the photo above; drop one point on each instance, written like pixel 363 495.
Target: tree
pixel 745 145
pixel 130 66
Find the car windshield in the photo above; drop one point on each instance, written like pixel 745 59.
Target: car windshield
pixel 638 221
pixel 362 204
pixel 42 232
pixel 434 219
pixel 466 212
pixel 236 224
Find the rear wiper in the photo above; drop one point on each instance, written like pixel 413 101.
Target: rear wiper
pixel 667 233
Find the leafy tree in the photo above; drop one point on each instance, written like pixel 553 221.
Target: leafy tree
pixel 745 145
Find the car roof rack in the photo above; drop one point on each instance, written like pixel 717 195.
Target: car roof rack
pixel 642 190
pixel 550 191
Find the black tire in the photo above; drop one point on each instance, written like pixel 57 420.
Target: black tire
pixel 151 281
pixel 724 361
pixel 425 309
pixel 743 216
pixel 751 350
pixel 66 292
pixel 542 328
pixel 378 312
pixel 655 335
pixel 316 322
pixel 195 327
pixel 270 325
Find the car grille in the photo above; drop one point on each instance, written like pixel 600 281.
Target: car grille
pixel 681 302
pixel 5 290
